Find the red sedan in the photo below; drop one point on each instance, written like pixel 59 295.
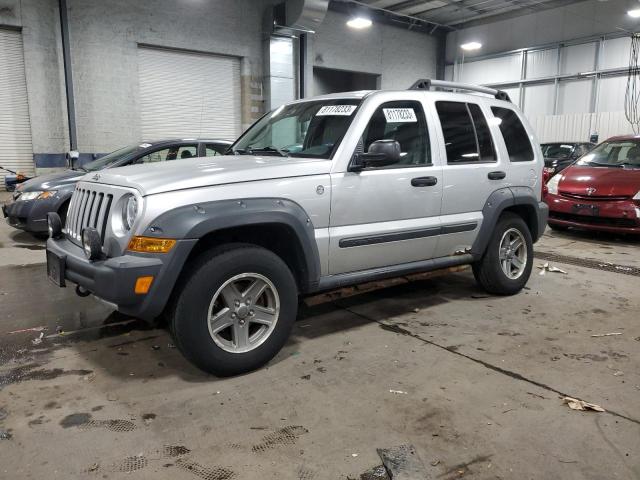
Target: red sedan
pixel 601 191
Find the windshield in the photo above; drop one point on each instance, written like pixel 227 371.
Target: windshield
pixel 556 150
pixel 112 157
pixel 616 154
pixel 308 129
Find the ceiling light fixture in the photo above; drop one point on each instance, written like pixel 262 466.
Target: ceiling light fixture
pixel 634 13
pixel 359 23
pixel 471 46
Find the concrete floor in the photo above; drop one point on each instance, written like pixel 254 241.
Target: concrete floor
pixel 481 380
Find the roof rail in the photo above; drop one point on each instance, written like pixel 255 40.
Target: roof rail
pixel 428 84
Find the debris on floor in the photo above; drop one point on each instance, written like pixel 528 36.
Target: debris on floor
pixel 606 334
pixel 402 462
pixel 375 473
pixel 398 392
pixel 576 404
pixel 24 330
pixel 4 435
pixel 545 267
pixel 38 340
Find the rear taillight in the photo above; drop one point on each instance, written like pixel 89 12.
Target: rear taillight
pixel 545 178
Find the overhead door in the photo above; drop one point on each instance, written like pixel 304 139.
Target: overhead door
pixel 187 95
pixel 16 152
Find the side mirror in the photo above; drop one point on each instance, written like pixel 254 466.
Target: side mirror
pixel 381 153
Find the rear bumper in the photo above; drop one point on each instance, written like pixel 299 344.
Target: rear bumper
pixel 616 216
pixel 114 279
pixel 543 217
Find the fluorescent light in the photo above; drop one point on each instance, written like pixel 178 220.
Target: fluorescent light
pixel 359 22
pixel 471 46
pixel 634 13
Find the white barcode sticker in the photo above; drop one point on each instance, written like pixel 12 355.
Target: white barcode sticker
pixel 344 110
pixel 399 115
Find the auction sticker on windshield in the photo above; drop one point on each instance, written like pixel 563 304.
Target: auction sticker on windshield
pixel 399 115
pixel 345 110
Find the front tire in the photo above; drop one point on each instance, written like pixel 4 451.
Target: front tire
pixel 507 262
pixel 236 309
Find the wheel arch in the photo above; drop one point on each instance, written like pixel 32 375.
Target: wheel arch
pixel 279 225
pixel 521 201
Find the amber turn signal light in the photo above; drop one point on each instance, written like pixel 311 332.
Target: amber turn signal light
pixel 151 245
pixel 143 284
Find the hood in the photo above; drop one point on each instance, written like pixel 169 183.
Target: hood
pixel 607 182
pixel 150 179
pixel 52 181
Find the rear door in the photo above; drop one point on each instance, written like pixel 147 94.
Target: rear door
pixel 515 139
pixel 388 215
pixel 473 169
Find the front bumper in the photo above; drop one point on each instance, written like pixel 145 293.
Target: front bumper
pixel 30 215
pixel 114 279
pixel 616 216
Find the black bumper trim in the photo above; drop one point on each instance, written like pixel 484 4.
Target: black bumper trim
pixel 113 280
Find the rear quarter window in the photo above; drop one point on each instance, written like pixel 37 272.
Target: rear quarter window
pixel 514 134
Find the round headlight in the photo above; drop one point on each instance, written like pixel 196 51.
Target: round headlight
pixel 130 212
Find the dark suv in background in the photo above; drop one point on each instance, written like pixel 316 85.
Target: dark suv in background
pixel 559 155
pixel 34 198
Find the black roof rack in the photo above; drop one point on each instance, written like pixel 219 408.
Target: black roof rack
pixel 429 84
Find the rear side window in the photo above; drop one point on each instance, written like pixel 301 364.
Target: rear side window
pixel 466 134
pixel 514 134
pixel 485 142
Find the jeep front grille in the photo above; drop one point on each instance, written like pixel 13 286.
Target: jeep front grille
pixel 89 207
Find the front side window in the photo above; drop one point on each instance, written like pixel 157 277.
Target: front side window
pixel 614 154
pixel 405 123
pixel 514 134
pixel 307 129
pixel 466 134
pixel 213 149
pixel 169 153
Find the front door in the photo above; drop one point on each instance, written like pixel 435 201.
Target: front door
pixel 388 215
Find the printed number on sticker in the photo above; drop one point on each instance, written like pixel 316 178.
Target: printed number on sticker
pixel 399 115
pixel 345 110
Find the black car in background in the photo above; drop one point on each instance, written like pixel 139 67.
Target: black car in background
pixel 559 155
pixel 33 199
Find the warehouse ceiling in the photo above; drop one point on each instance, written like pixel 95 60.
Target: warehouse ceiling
pixel 458 13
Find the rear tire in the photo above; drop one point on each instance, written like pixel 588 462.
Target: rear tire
pixel 236 309
pixel 506 264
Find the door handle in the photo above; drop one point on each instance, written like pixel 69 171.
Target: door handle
pixel 496 175
pixel 424 181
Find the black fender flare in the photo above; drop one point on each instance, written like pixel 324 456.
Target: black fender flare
pixel 501 200
pixel 197 220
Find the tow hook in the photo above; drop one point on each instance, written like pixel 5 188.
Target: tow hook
pixel 82 292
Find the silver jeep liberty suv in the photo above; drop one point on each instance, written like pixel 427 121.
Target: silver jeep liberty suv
pixel 317 194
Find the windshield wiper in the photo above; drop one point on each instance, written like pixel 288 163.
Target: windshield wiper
pixel 612 165
pixel 240 151
pixel 629 164
pixel 268 149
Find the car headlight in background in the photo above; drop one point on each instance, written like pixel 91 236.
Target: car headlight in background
pixel 37 194
pixel 130 212
pixel 552 184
